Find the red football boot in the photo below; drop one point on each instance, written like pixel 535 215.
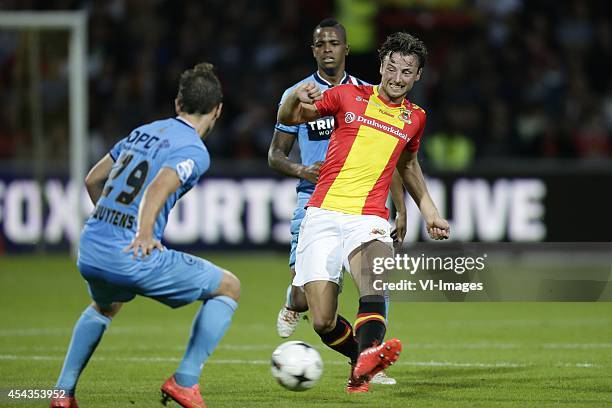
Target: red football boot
pixel 356 385
pixel 375 359
pixel 186 397
pixel 64 402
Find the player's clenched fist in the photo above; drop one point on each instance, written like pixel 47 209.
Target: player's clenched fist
pixel 438 228
pixel 308 92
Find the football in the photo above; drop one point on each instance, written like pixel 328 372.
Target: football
pixel 296 365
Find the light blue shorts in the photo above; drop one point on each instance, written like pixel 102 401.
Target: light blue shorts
pixel 174 279
pixel 296 221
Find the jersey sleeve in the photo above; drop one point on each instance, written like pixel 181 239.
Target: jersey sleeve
pixel 189 162
pixel 414 143
pixel 115 151
pixel 284 128
pixel 329 105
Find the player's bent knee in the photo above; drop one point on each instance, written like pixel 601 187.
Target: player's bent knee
pixel 324 324
pixel 109 311
pixel 230 286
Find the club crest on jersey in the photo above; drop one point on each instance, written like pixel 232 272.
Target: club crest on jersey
pixel 405 116
pixel 349 117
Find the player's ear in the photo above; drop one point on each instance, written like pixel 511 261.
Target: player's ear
pixel 419 73
pixel 177 107
pixel 219 109
pixel 380 70
pixel 348 49
pixel 312 47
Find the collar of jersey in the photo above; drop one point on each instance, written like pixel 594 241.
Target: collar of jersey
pixel 322 81
pixel 185 122
pixel 387 103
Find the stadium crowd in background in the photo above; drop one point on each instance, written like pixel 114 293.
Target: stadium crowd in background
pixel 506 79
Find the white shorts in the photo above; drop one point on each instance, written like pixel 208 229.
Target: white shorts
pixel 328 237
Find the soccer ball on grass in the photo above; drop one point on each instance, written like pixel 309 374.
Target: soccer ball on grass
pixel 296 365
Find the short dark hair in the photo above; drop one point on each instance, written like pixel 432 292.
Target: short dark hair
pixel 331 22
pixel 199 89
pixel 405 44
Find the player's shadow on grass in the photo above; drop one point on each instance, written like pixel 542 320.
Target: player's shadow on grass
pixel 434 381
pixel 569 384
pixel 414 385
pixel 458 372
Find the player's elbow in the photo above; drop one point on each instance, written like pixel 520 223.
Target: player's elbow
pixel 91 180
pixel 88 182
pixel 273 159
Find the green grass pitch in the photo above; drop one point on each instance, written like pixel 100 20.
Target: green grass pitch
pixel 455 354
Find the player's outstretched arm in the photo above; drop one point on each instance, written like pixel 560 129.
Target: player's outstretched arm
pixel 278 158
pixel 397 195
pixel 298 107
pixel 95 179
pixel 410 170
pixel 155 196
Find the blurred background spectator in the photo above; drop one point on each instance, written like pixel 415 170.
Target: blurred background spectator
pixel 506 79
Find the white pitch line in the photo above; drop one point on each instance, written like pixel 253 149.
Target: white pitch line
pixel 54 331
pixel 577 365
pixel 412 346
pixel 577 345
pixel 566 322
pixel 139 348
pixel 499 364
pixel 33 332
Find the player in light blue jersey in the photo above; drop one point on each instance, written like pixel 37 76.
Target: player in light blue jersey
pixel 329 49
pixel 134 188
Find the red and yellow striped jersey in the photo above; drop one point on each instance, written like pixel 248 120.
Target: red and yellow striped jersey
pixel 369 136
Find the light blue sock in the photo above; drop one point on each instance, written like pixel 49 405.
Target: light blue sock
pixel 288 298
pixel 209 326
pixel 86 335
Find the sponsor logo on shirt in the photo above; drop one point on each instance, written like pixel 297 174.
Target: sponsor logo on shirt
pixel 185 169
pixel 384 112
pixel 383 127
pixel 367 101
pixel 320 129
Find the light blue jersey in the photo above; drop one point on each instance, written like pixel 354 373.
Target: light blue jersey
pixel 313 139
pixel 171 277
pixel 171 143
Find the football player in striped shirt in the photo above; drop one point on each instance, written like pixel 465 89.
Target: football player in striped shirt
pixel 330 48
pixel 377 130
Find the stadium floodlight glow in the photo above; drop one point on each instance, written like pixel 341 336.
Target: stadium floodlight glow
pixel 76 23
